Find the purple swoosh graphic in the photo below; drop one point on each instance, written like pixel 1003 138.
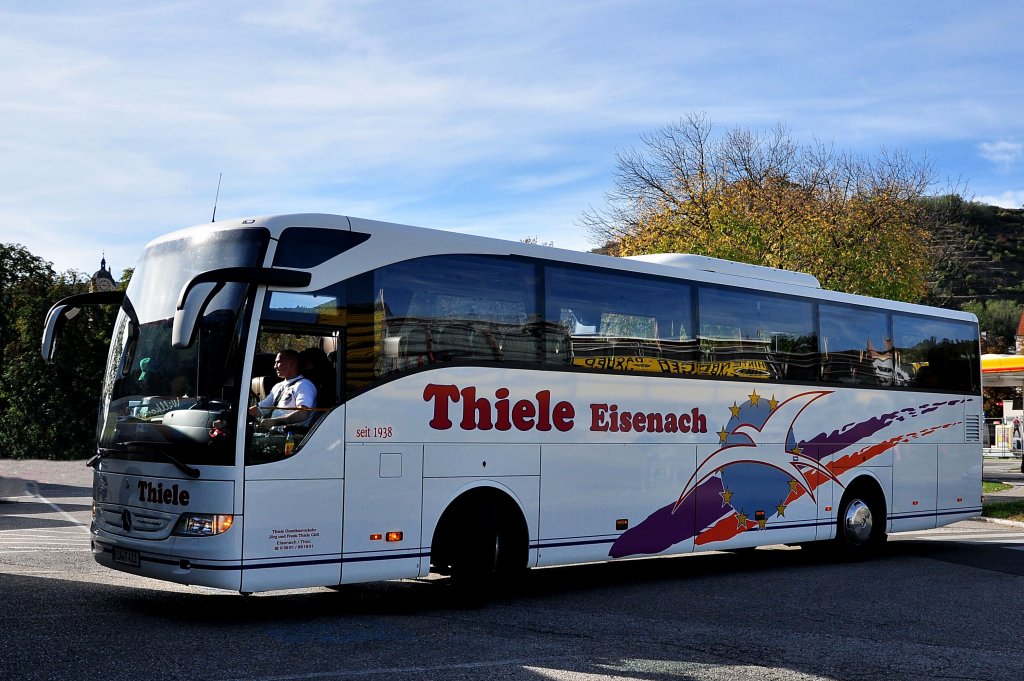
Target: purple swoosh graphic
pixel 704 506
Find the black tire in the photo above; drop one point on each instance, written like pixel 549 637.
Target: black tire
pixel 487 554
pixel 475 559
pixel 860 530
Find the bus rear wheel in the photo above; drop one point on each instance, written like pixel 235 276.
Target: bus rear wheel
pixel 861 523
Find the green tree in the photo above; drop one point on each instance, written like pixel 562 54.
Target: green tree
pixel 47 412
pixel 762 198
pixel 998 320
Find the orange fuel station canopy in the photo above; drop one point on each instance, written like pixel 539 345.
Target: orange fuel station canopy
pixel 1002 371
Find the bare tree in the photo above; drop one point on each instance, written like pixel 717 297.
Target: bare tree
pixel 762 197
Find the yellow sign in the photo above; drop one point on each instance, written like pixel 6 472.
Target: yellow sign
pixel 740 368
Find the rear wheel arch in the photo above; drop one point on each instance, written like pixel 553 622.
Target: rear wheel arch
pixel 475 512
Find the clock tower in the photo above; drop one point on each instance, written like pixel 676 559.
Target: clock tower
pixel 102 280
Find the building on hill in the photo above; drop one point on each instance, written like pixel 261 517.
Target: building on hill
pixel 102 279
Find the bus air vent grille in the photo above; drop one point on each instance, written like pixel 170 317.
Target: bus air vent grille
pixel 972 428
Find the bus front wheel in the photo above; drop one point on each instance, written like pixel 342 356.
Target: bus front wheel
pixel 488 551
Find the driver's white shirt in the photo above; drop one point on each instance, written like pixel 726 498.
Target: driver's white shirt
pixel 288 395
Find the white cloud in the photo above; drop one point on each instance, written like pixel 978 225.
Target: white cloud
pixel 1008 199
pixel 1002 152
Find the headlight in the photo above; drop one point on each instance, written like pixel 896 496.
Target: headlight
pixel 202 524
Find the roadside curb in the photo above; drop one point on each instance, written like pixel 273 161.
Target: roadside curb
pixel 1000 521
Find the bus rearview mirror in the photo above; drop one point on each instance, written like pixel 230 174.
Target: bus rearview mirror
pixel 195 296
pixel 66 309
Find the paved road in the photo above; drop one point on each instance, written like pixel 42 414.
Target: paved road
pixel 940 604
pixel 1006 471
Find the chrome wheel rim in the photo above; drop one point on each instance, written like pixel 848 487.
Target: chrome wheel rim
pixel 857 522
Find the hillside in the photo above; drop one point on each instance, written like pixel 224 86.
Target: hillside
pixel 981 251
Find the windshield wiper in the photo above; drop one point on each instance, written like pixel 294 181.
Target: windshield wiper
pixel 102 452
pixel 154 446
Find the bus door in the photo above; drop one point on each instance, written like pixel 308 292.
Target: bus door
pixel 294 468
pixel 383 505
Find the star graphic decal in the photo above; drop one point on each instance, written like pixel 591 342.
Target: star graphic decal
pixel 743 443
pixel 726 497
pixel 735 409
pixel 741 519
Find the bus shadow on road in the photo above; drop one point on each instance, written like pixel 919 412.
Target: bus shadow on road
pixel 716 570
pixel 777 569
pixel 992 556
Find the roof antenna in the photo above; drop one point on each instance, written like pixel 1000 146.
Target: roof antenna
pixel 216 198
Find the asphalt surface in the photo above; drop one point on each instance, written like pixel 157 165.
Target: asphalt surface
pixel 945 603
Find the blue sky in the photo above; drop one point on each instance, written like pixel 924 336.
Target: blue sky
pixel 495 118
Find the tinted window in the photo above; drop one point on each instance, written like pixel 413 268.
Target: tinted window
pixel 856 346
pixel 746 334
pixel 605 321
pixel 303 247
pixel 937 354
pixel 321 307
pixel 485 309
pixel 455 309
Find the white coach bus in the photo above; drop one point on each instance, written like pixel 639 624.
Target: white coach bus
pixel 485 406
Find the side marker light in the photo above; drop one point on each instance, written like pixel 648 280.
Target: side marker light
pixel 395 536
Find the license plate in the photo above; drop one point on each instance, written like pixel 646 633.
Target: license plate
pixel 126 557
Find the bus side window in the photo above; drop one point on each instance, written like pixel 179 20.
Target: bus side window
pixel 856 346
pixel 594 318
pixel 936 354
pixel 758 335
pixel 455 309
pixel 311 325
pixel 274 433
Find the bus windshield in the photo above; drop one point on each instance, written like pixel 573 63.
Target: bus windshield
pixel 179 405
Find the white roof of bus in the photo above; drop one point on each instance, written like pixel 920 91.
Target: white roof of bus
pixel 413 242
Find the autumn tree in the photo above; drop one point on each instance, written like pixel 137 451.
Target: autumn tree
pixel 763 198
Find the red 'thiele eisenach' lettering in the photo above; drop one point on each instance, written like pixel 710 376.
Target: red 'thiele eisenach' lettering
pixel 482 413
pixel 607 418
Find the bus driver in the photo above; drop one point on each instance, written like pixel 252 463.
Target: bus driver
pixel 289 401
